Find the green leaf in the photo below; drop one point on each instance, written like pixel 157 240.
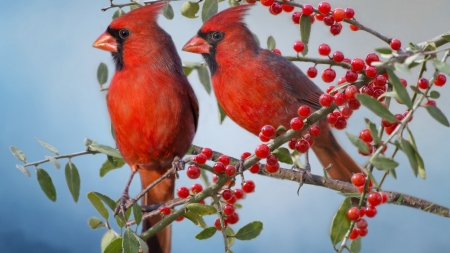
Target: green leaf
pixel 107 238
pixel 305 32
pixel 130 244
pixel 355 245
pixel 442 66
pixel 206 233
pixel 229 231
pixel 446 37
pixel 373 131
pixel 134 6
pixel 97 203
pixel 105 150
pixel 203 76
pixel 137 213
pixel 420 163
pixel 358 143
pixel 401 91
pixel 376 107
pixel 283 155
pixel 46 183
pixel 73 180
pixel 108 166
pixel 233 3
pixel 196 219
pixel 120 220
pixel 411 59
pixel 415 89
pixel 434 94
pixel 409 151
pixel 384 163
pixel 53 161
pixel 210 7
pixel 271 43
pixel 95 223
pixel 402 67
pixel 351 195
pixel 222 114
pixel 340 223
pixel 384 50
pixel 189 9
pixel 437 114
pixel 18 153
pixel 249 231
pixel 115 246
pixel 24 170
pixel 237 205
pixel 118 13
pixel 48 146
pixel 256 39
pixel 187 70
pixel 201 209
pixel 168 11
pixel 143 245
pixel 102 75
pixel 107 200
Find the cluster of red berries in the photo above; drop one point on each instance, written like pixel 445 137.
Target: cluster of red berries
pixel 374 199
pixel 230 197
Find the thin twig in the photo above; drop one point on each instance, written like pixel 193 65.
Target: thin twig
pixel 318 61
pixel 87 152
pixel 222 222
pixel 132 3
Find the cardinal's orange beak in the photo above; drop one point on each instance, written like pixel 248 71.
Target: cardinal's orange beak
pixel 197 45
pixel 106 42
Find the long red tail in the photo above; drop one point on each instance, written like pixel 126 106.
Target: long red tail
pixel 328 151
pixel 162 192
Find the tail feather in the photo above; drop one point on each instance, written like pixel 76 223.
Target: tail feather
pixel 328 151
pixel 162 192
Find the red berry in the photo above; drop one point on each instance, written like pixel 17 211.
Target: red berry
pixel 228 209
pixel 440 80
pixel 296 17
pixel 272 168
pixel 218 225
pixel 328 20
pixel 268 131
pixel 371 57
pixel 262 151
pixel 362 212
pixel 358 179
pixel 183 192
pixel 346 112
pixel 165 210
pixel 340 98
pixel 200 158
pixel 309 139
pixel 395 44
pixel 354 234
pixel 325 99
pixel 314 131
pixel 328 75
pixel 224 159
pixel 354 104
pixel 180 218
pixel 371 71
pixel 353 213
pixel 307 9
pixel 267 2
pixel 324 49
pixel 291 143
pixel 255 168
pixel 351 91
pixel 219 167
pixel 365 135
pixel 367 90
pixel 346 60
pixel 371 211
pixel 370 148
pixel 248 186
pixel 423 83
pixel 403 81
pixel 341 123
pixel 324 8
pixel 245 155
pixel 338 14
pixel 207 152
pixel 275 8
pixel 357 64
pixel 338 56
pixel 363 232
pixel 351 76
pixel 239 193
pixel 287 8
pixel 384 197
pixel 430 103
pixel 329 89
pixel 349 13
pixel 336 29
pixel 379 81
pixel 230 170
pixel 374 199
pixel 302 146
pixel 353 27
pixel 215 178
pixel 233 219
pixel 311 72
pixel 263 138
pixel 276 51
pixel 298 46
pixel 196 188
pixel 389 130
pixel 304 111
pixel 272 160
pixel 193 171
pixel 227 194
pixel 297 123
pixel 331 119
pixel 251 1
pixel 361 224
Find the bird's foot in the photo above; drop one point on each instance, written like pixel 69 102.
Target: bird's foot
pixel 240 169
pixel 303 173
pixel 178 164
pixel 121 208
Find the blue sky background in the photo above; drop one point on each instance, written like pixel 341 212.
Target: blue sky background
pixel 48 90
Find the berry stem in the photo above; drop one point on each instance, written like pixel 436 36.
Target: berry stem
pixel 222 221
pixel 318 61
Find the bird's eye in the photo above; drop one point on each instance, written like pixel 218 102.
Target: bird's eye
pixel 124 33
pixel 217 36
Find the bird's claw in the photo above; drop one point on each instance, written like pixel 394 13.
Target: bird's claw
pixel 121 208
pixel 240 169
pixel 303 171
pixel 178 164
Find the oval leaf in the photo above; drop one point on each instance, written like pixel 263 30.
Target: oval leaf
pixel 249 231
pixel 97 203
pixel 401 91
pixel 203 76
pixel 442 66
pixel 73 180
pixel 53 161
pixel 222 114
pixel 384 50
pixel 130 244
pixel 230 236
pixel 437 114
pixel 168 11
pixel 46 183
pixel 233 3
pixel 256 39
pixel 340 223
pixel 271 43
pixel 107 200
pixel 376 107
pixel 420 163
pixel 305 32
pixel 434 94
pixel 108 166
pixel 118 13
pixel 210 7
pixel 24 170
pixel 196 219
pixel 201 209
pixel 283 155
pixel 409 151
pixel 189 9
pixel 105 150
pixel 384 163
pixel 18 153
pixel 107 238
pixel 206 233
pixel 355 245
pixel 48 146
pixel 143 245
pixel 114 247
pixel 95 223
pixel 361 145
pixel 102 74
pixel 137 213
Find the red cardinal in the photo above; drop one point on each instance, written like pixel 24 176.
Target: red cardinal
pixel 256 87
pixel 153 109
